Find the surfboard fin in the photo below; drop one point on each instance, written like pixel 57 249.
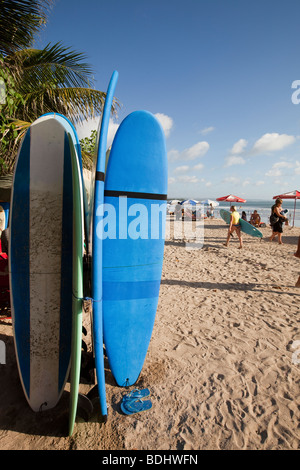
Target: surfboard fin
pixel 85 407
pixel 93 396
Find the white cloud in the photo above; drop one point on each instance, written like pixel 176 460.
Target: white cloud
pixel 234 160
pixel 85 129
pixel 278 167
pixel 231 180
pixel 166 122
pixel 283 165
pixel 188 179
pixel 239 147
pixel 235 157
pixel 274 172
pixel 181 169
pixel 207 130
pixel 259 183
pixel 198 167
pixel 171 180
pixel 269 142
pixel 272 142
pixel 196 151
pixel 297 167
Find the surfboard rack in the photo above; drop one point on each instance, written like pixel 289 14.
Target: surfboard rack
pixel 84 290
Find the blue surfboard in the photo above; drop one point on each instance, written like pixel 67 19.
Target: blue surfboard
pixel 43 249
pixel 133 244
pixel 245 226
pixel 97 244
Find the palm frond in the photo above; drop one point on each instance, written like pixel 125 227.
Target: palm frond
pixel 77 104
pixel 58 64
pixel 87 160
pixel 21 126
pixel 19 21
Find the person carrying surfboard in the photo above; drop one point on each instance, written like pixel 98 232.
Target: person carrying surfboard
pixel 234 226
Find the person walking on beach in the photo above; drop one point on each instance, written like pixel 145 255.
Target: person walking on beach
pixel 234 226
pixel 277 229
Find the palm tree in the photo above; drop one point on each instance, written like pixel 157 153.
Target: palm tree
pixel 54 79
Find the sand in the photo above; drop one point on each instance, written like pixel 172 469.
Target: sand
pixel 223 363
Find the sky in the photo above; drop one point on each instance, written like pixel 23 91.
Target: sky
pixel 222 77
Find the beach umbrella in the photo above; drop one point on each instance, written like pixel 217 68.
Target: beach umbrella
pixel 209 202
pixel 231 198
pixel 175 201
pixel 291 195
pixel 190 202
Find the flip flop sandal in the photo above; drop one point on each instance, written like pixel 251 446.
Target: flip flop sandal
pixel 130 407
pixel 136 393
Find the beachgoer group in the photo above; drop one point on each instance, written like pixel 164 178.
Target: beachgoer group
pixel 277 220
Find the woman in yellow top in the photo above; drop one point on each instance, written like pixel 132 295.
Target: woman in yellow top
pixel 234 226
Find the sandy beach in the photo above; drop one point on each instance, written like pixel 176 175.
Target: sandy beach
pixel 222 366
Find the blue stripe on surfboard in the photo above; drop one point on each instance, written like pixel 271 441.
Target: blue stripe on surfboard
pixel 19 233
pixel 66 267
